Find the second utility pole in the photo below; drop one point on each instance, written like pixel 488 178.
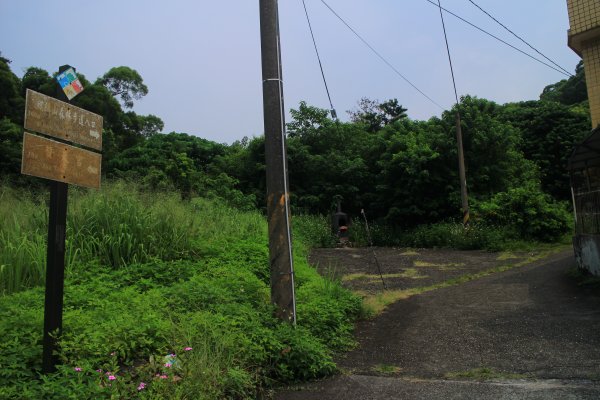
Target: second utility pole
pixel 278 206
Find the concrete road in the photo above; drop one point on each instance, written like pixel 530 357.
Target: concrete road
pixel 528 333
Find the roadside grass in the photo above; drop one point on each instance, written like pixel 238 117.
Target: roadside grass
pixel 375 304
pixel 507 255
pixel 484 374
pixel 386 369
pixel 440 266
pixel 410 273
pixel 410 252
pixel 152 276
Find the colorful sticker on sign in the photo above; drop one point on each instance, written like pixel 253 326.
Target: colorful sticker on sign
pixel 69 83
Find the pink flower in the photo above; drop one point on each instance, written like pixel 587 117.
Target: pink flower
pixel 172 355
pixel 164 376
pixel 168 365
pixel 112 377
pixel 77 369
pixel 188 349
pixel 142 386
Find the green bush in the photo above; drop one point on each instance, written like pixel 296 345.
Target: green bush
pixel 381 234
pixel 314 231
pixel 530 212
pixel 454 235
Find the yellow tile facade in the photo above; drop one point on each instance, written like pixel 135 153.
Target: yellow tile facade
pixel 583 15
pixel 584 39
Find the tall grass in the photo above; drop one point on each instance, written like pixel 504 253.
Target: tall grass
pixel 313 230
pixel 118 226
pixel 115 227
pixel 22 241
pixel 210 307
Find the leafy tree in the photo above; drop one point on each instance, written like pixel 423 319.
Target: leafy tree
pixel 392 111
pixel 568 91
pixel 417 180
pixel 494 162
pixel 307 120
pixel 11 138
pixel 330 160
pixel 12 104
pixel 136 128
pixel 549 131
pixel 245 162
pixel 126 83
pixel 149 125
pixel 376 115
pixel 418 169
pixel 39 80
pixel 183 162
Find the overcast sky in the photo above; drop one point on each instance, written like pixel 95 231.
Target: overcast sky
pixel 201 59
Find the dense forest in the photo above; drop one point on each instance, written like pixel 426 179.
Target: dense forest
pixel 403 172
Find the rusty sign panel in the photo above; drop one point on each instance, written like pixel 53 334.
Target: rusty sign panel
pixel 61 162
pixel 47 115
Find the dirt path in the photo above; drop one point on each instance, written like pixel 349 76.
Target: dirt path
pixel 527 332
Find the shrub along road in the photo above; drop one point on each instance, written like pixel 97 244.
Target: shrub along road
pixel 526 332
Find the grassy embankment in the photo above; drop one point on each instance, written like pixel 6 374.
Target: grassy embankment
pixel 149 276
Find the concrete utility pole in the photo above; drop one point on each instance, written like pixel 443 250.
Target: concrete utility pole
pixel 461 171
pixel 459 142
pixel 278 208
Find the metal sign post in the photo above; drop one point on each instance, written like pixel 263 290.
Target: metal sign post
pixel 62 163
pixel 55 274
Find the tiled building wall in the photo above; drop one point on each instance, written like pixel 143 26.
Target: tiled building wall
pixel 591 59
pixel 583 15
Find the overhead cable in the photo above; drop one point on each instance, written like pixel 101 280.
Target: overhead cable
pixel 448 51
pixel 333 113
pixel 379 55
pixel 497 38
pixel 459 142
pixel 517 36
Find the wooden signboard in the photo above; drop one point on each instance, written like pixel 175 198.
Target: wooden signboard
pixel 61 162
pixel 56 118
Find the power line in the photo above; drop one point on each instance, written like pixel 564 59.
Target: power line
pixel 496 37
pixel 448 51
pixel 517 36
pixel 333 113
pixel 379 55
pixel 459 142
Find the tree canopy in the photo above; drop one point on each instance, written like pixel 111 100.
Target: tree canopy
pixel 403 171
pixel 125 83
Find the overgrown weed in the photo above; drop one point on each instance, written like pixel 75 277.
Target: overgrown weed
pixel 150 276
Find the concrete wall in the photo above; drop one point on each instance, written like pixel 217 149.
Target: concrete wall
pixel 587 252
pixel 584 39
